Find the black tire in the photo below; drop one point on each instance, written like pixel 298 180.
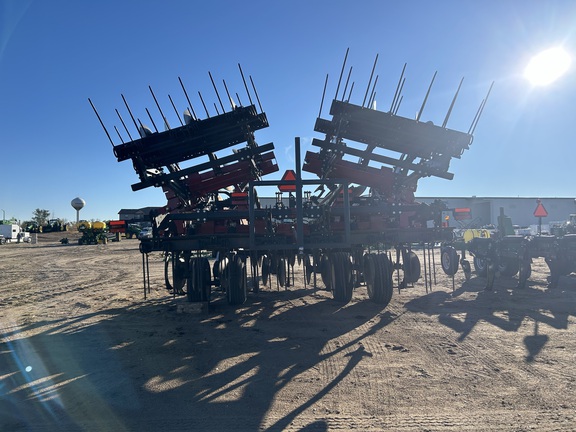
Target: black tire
pixel 466 268
pixel 177 269
pixel 265 269
pixel 236 292
pixel 343 282
pixel 198 283
pixel 508 267
pixel 377 270
pixel 411 267
pixel 308 269
pixel 449 260
pixel 254 260
pixel 281 272
pixel 224 273
pixel 204 278
pixel 326 272
pixel 385 284
pixel 480 266
pixel 524 273
pixel 369 272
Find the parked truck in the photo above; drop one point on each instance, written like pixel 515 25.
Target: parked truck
pixel 13 233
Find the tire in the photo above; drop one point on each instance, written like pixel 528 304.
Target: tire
pixel 224 273
pixel 326 272
pixel 281 272
pixel 308 269
pixel 466 268
pixel 411 267
pixel 199 281
pixel 508 267
pixel 177 269
pixel 449 260
pixel 524 273
pixel 480 266
pixel 254 272
pixel 369 272
pixel 265 269
pixel 342 271
pixel 236 292
pixel 385 287
pixel 206 279
pixel 378 277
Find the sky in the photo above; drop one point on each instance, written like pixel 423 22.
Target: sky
pixel 56 54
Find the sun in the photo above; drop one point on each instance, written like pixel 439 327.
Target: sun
pixel 546 67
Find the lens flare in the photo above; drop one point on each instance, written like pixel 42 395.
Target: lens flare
pixel 547 66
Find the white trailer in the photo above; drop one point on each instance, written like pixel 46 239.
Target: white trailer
pixel 13 233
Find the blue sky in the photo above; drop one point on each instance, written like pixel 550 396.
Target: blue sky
pixel 56 54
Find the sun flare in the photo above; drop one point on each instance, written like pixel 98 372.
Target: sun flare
pixel 547 66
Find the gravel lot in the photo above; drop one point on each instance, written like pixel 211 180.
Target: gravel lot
pixel 82 350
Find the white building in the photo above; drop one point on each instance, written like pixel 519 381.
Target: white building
pixel 485 210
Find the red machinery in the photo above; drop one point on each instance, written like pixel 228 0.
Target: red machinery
pixel 341 224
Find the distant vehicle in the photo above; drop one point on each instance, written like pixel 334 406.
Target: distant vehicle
pixel 54 225
pixel 523 231
pixel 146 233
pixel 13 233
pixel 92 233
pixel 123 227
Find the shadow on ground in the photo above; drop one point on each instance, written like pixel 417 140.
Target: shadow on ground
pixel 146 367
pixel 506 307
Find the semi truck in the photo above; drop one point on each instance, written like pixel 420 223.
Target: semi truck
pixel 13 233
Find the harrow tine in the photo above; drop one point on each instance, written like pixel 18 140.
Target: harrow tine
pixel 217 94
pixel 341 72
pixel 452 104
pixel 124 124
pixel 119 136
pixel 346 86
pixel 175 110
pixel 101 123
pixel 479 114
pixel 256 93
pixel 232 104
pixel 152 120
pixel 426 98
pixel 129 112
pixel 398 88
pixel 187 98
pixel 370 80
pixel 203 104
pixel 323 94
pixel 245 86
pixel 159 109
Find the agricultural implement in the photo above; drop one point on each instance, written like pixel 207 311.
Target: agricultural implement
pixel 509 255
pixel 92 233
pixel 356 223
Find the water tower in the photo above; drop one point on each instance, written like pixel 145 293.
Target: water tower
pixel 78 203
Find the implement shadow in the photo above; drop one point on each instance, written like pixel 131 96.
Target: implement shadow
pixel 506 308
pixel 147 367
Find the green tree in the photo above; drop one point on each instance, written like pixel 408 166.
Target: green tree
pixel 40 216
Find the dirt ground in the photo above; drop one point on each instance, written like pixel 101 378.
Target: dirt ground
pixel 82 350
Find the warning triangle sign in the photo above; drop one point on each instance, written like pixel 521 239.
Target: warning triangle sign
pixel 540 210
pixel 289 175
